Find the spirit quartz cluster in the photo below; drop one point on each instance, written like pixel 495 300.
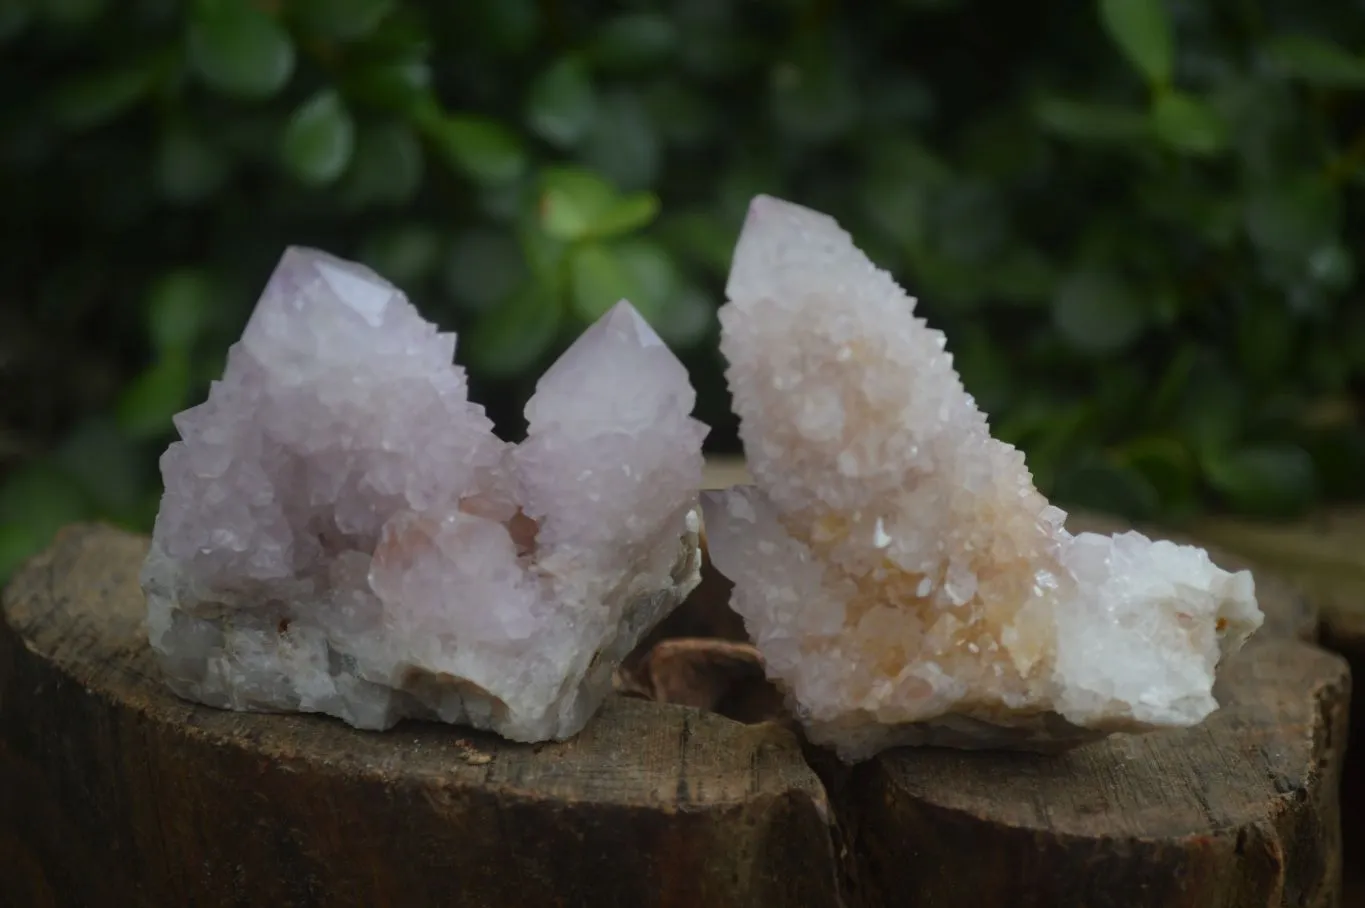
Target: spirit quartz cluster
pixel 900 574
pixel 343 533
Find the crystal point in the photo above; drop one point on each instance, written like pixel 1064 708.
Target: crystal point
pixel 342 532
pixel 903 578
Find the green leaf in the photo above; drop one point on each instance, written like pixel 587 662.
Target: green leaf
pixel 483 267
pixel 1316 61
pixel 14 18
pixel 625 215
pixel 93 100
pixel 682 112
pixel 508 26
pixel 189 168
pixel 544 255
pixel 623 144
pixel 511 337
pixel 179 307
pixel 561 105
pixel 340 20
pixel 41 493
pixel 1188 125
pixel 654 273
pixel 1024 275
pixel 1168 467
pixel 387 166
pixel 210 365
pixel 1265 480
pixel 406 255
pixel 687 318
pixel 1040 423
pixel 984 369
pixel 900 208
pixel 634 41
pixel 637 270
pixel 1142 30
pixel 815 101
pixel 1097 312
pixel 504 203
pixel 1332 266
pixel 401 86
pixel 238 49
pixel 71 14
pixel 108 467
pixel 598 281
pixel 1089 122
pixel 1214 408
pixel 1290 219
pixel 1004 145
pixel 318 140
pixel 967 223
pixel 570 199
pixel 35 503
pixel 479 147
pixel 903 178
pixel 1265 338
pixel 1353 341
pixel 145 407
pixel 1175 378
pixel 578 204
pixel 1108 486
pixel 900 97
pixel 1327 366
pixel 701 237
pixel 1337 454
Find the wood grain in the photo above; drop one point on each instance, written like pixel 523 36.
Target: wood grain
pixel 113 792
pixel 1239 811
pixel 1325 554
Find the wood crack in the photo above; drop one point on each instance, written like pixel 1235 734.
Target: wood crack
pixel 651 804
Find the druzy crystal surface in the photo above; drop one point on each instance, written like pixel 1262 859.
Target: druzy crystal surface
pixel 902 577
pixel 343 533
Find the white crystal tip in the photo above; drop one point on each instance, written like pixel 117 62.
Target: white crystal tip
pixel 760 204
pixel 778 235
pixel 625 317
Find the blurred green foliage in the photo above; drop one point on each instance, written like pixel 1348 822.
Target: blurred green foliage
pixel 1138 220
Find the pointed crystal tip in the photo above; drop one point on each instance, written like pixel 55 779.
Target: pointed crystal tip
pixel 349 283
pixel 625 318
pixel 780 238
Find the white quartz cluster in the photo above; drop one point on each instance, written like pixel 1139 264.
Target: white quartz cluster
pixel 343 533
pixel 902 577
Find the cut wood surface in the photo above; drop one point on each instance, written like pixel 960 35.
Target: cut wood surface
pixel 1239 811
pixel 1324 554
pixel 114 792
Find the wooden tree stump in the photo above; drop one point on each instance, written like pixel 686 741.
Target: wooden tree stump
pixel 1241 811
pixel 1325 555
pixel 114 792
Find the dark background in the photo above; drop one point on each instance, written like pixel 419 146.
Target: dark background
pixel 1139 221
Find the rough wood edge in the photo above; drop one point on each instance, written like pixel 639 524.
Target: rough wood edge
pixel 778 848
pixel 1264 831
pixel 115 792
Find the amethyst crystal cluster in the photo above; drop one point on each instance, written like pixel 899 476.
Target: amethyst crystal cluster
pixel 343 533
